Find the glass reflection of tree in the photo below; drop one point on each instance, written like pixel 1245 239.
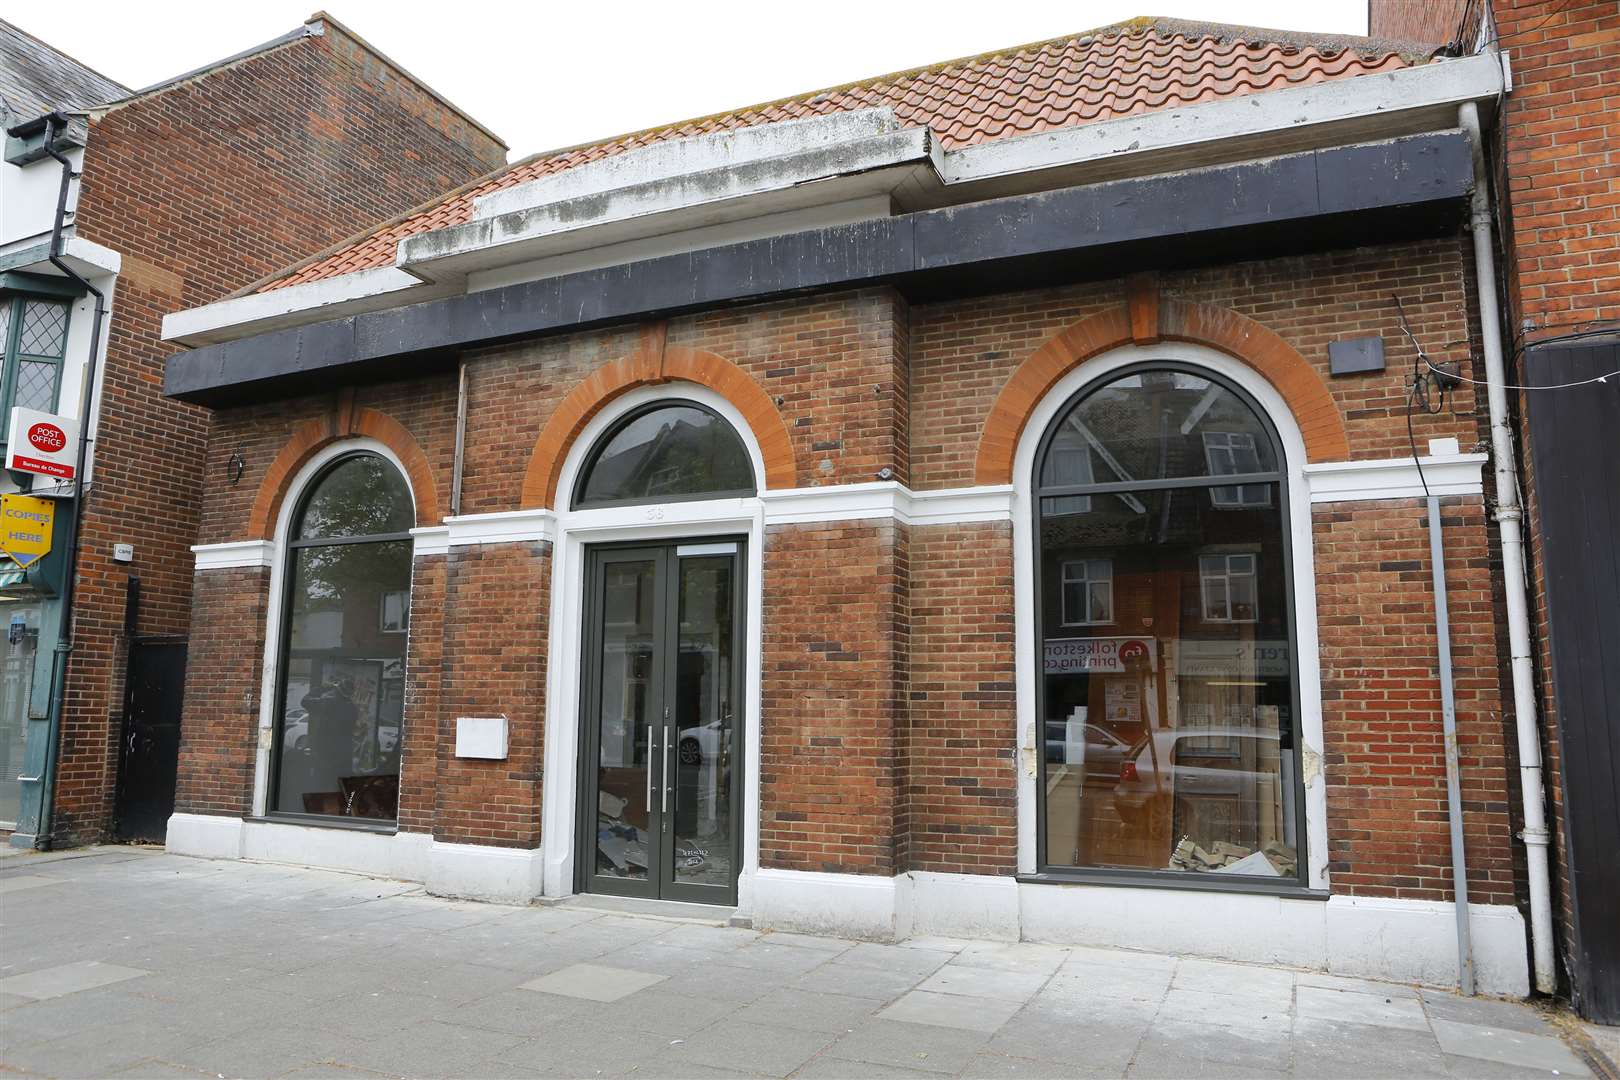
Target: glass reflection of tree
pixel 363 496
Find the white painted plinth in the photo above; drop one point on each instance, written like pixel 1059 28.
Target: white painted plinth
pixel 470 871
pixel 1398 940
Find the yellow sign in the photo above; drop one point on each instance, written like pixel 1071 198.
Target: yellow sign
pixel 25 527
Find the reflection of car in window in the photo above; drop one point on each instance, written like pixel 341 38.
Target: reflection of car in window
pixel 1175 752
pixel 1104 751
pixel 701 743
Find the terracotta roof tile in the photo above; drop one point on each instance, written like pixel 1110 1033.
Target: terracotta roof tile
pixel 1099 75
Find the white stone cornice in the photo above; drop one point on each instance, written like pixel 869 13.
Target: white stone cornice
pixel 237 553
pixel 431 539
pixel 503 527
pixel 1396 478
pixel 958 506
pixel 888 499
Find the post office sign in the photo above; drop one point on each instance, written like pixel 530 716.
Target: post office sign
pixel 42 443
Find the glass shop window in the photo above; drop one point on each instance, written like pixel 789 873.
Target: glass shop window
pixel 1167 688
pixel 33 333
pixel 345 625
pixel 667 452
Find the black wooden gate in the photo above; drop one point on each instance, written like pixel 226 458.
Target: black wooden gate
pixel 150 754
pixel 1575 446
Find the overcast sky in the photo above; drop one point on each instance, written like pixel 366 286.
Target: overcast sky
pixel 549 75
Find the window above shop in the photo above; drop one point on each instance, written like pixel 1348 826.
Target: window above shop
pixel 33 332
pixel 666 452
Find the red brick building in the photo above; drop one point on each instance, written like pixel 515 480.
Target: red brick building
pixel 1555 164
pixel 181 193
pixel 987 500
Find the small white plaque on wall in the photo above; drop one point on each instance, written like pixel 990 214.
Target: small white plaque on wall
pixel 481 737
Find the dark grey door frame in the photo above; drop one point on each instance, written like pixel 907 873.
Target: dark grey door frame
pixel 660 882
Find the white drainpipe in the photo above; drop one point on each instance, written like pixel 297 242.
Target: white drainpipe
pixel 1509 524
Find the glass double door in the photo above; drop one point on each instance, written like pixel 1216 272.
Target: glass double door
pixel 662 755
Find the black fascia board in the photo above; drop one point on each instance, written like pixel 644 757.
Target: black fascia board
pixel 1352 193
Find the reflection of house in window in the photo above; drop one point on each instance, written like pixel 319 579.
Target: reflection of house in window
pixel 1233 453
pixel 1068 462
pixel 1088 592
pixel 395 607
pixel 1227 583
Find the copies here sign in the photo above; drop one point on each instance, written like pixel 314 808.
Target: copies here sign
pixel 42 443
pixel 26 524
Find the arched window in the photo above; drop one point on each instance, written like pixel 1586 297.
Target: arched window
pixel 340 702
pixel 1167 691
pixel 665 452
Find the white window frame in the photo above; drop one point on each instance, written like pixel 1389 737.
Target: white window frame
pixel 1223 574
pixel 1297 531
pixel 1220 452
pixel 1086 579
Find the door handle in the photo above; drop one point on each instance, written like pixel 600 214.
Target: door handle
pixel 652 752
pixel 663 799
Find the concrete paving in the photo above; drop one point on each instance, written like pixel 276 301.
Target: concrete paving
pixel 130 963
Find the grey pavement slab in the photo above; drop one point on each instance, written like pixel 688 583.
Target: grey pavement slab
pixel 1239 980
pixel 808 1011
pixel 1061 1034
pixel 1508 1047
pixel 1224 1010
pixel 951 1011
pixel 1173 1048
pixel 909 1046
pixel 12 883
pixel 1340 1051
pixel 63 979
pixel 253 970
pixel 753 1048
pixel 594 982
pixel 1354 1008
pixel 1003 985
pixel 1483 1011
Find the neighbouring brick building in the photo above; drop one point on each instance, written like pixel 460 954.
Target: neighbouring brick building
pixel 990 500
pixel 1556 160
pixel 181 193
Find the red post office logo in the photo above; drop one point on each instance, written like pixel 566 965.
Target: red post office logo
pixel 47 438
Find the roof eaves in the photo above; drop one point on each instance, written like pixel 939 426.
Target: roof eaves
pixel 1411 51
pixel 296 34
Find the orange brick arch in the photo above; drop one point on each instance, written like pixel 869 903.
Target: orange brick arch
pixel 1145 320
pixel 344 422
pixel 653 363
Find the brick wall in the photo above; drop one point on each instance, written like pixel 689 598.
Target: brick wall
pixel 960 741
pixel 494 663
pixel 223 670
pixel 202 188
pixel 1384 756
pixel 889 725
pixel 833 683
pixel 964 351
pixel 1430 22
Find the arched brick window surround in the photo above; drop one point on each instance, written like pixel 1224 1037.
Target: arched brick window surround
pixel 1146 319
pixel 655 362
pixel 345 421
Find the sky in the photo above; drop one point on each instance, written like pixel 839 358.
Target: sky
pixel 544 76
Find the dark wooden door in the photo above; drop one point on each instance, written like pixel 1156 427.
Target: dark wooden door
pixel 150 753
pixel 1576 452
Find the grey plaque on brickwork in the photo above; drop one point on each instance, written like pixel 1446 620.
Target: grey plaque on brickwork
pixel 1356 356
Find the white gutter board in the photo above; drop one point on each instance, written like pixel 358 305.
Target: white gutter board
pixel 683 157
pixel 294 305
pixel 838 173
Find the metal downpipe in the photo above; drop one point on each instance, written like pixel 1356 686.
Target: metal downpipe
pixel 1448 716
pixel 1509 522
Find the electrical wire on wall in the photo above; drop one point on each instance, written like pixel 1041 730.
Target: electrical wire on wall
pixel 1427 390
